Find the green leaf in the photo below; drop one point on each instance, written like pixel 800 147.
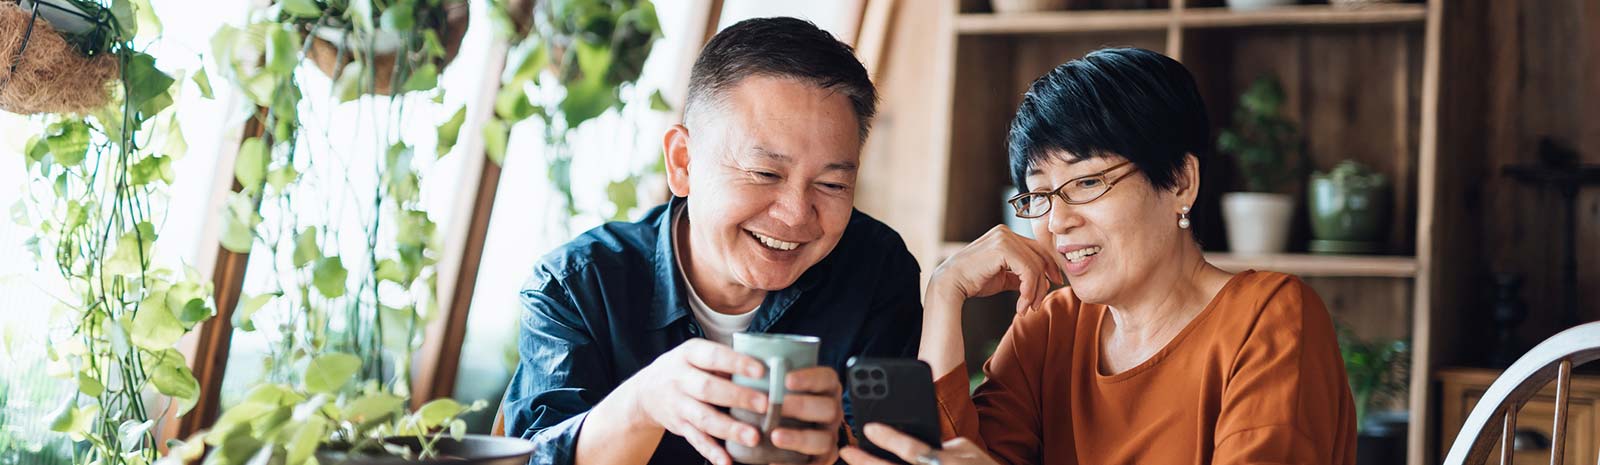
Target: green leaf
pixel 329 372
pixel 174 144
pixel 73 420
pixel 450 131
pixel 624 195
pixel 659 102
pixel 400 17
pixel 193 311
pixel 305 440
pixel 146 82
pixel 281 177
pixel 153 168
pixel 283 51
pixel 591 96
pixel 133 250
pixel 305 247
pixel 373 408
pixel 251 165
pixel 438 411
pixel 131 433
pixel 149 23
pixel 301 8
pixel 423 78
pixel 512 104
pixel 155 328
pixel 203 81
pixel 495 136
pixel 243 316
pixel 329 277
pixel 431 44
pixel 534 61
pixel 172 377
pixel 239 223
pixel 359 14
pixel 348 86
pixel 68 142
pixel 122 11
pixel 390 270
pixel 88 385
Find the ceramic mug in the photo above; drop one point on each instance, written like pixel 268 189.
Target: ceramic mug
pixel 781 353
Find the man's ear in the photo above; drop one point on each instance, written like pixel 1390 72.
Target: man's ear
pixel 1188 181
pixel 675 146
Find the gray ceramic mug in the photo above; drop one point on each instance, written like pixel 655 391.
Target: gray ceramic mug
pixel 782 354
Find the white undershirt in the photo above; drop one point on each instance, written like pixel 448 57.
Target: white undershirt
pixel 719 327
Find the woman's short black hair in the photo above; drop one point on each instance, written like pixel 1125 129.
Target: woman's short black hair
pixel 1128 102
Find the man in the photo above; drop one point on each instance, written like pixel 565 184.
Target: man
pixel 625 330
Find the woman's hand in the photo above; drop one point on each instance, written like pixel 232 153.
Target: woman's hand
pixel 958 451
pixel 999 261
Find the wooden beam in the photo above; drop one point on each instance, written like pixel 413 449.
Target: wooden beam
pixel 434 369
pixel 872 35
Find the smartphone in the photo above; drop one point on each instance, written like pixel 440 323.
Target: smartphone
pixel 897 392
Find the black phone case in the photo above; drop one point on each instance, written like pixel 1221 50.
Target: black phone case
pixel 894 391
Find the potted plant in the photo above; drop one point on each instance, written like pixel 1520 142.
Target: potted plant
pixel 341 327
pixel 1378 372
pixel 98 176
pixel 594 51
pixel 1265 146
pixel 1348 207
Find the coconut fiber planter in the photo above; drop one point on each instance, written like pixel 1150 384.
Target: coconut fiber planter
pixel 43 72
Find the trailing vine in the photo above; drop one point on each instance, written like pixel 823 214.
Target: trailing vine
pixel 96 198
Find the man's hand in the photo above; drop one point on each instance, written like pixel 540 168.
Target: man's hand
pixel 681 390
pixel 813 396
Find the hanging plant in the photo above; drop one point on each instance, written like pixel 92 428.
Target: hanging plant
pixel 342 327
pixel 98 178
pixel 44 69
pixel 593 51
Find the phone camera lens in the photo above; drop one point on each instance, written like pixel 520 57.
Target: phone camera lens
pixel 877 374
pixel 880 389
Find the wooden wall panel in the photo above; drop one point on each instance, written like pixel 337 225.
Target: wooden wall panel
pixel 984 100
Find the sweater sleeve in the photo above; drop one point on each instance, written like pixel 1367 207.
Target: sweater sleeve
pixel 1003 414
pixel 1287 400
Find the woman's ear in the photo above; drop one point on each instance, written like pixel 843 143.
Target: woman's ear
pixel 675 146
pixel 1188 180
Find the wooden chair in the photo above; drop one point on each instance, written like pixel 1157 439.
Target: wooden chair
pixel 1494 420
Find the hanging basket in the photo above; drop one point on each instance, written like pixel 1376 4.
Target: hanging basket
pixel 327 44
pixel 40 72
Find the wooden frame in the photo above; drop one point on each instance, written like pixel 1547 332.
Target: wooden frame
pixel 1493 421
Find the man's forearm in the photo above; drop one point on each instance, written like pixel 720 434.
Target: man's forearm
pixel 615 434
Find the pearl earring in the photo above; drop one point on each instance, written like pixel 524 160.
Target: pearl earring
pixel 1183 217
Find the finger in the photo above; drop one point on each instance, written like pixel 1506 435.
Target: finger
pixel 703 418
pixel 1056 273
pixel 821 409
pixel 806 441
pixel 707 447
pixel 856 456
pixel 711 356
pixel 898 443
pixel 716 390
pixel 818 379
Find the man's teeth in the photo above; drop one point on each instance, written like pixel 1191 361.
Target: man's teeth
pixel 1078 255
pixel 774 243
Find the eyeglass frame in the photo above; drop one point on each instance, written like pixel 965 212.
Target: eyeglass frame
pixel 1110 183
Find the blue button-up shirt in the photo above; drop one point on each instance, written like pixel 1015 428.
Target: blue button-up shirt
pixel 602 307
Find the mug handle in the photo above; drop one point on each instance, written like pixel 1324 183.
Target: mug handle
pixel 777 371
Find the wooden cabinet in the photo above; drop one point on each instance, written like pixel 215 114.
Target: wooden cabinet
pixel 1462 387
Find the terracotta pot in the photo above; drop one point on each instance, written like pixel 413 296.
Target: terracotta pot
pixel 326 45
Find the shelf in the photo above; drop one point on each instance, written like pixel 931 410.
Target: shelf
pixel 1356 266
pixel 1381 266
pixel 1068 22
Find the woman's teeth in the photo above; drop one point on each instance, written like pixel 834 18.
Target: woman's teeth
pixel 1078 255
pixel 774 243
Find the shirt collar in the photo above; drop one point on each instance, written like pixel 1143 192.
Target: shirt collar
pixel 670 302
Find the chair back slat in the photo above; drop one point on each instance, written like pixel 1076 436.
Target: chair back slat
pixel 1558 441
pixel 1508 437
pixel 1495 415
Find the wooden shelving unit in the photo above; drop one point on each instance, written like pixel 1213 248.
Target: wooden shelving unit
pixel 1361 83
pixel 1091 21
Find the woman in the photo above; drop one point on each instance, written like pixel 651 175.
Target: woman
pixel 1152 355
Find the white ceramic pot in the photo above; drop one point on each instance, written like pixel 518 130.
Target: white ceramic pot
pixel 1257 223
pixel 1245 5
